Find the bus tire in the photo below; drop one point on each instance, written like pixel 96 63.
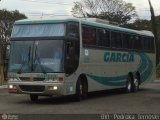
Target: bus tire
pixel 33 98
pixel 81 89
pixel 129 83
pixel 136 83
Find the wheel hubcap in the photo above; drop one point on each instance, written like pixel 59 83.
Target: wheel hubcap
pixel 136 82
pixel 81 89
pixel 129 85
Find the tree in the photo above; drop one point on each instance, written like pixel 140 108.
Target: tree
pixel 158 27
pixel 139 24
pixel 113 10
pixel 154 29
pixel 7 19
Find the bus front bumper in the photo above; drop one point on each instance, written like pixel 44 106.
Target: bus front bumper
pixel 48 89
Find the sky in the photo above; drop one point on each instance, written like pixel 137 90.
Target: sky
pixel 39 8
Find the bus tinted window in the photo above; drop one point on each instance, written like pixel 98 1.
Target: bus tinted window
pixel 127 41
pixel 39 30
pixel 103 38
pixel 148 43
pixel 152 43
pixel 73 30
pixel 137 44
pixel 116 40
pixel 88 35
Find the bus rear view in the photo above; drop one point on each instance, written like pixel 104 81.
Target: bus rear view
pixel 40 56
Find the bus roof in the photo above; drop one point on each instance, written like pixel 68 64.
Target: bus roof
pixel 91 22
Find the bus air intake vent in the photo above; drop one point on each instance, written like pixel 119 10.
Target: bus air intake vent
pixel 31 79
pixel 32 88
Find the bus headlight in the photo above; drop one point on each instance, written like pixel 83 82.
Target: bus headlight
pixel 10 86
pixel 55 88
pixel 12 89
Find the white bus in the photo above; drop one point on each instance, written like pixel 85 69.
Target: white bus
pixel 71 56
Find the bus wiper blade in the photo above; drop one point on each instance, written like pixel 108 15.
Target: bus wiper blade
pixel 38 59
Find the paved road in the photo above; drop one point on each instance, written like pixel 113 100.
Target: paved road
pixel 147 100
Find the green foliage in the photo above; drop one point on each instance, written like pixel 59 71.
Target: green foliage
pixel 113 10
pixel 158 71
pixel 139 25
pixel 158 26
pixel 7 19
pixel 147 25
pixel 154 30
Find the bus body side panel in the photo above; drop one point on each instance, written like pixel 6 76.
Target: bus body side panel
pixel 108 69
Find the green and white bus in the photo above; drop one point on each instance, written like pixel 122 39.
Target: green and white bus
pixel 74 56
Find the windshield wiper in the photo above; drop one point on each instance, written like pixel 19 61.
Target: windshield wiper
pixel 25 62
pixel 38 59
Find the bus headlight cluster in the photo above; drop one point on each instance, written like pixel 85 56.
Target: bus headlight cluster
pixel 53 88
pixel 12 87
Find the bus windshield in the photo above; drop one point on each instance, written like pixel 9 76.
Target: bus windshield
pixel 37 56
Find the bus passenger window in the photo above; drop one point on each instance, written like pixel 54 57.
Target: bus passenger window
pixel 152 44
pixel 103 38
pixel 73 30
pixel 88 35
pixel 127 42
pixel 116 40
pixel 144 43
pixel 148 43
pixel 137 44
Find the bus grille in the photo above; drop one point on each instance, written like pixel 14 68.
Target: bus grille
pixel 32 88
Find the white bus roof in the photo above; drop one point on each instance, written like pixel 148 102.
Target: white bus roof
pixel 89 21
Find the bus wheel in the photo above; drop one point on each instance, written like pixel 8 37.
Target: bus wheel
pixel 136 84
pixel 33 98
pixel 81 89
pixel 129 84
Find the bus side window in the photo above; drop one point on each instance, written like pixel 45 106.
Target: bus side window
pixel 103 38
pixel 144 43
pixel 148 44
pixel 127 41
pixel 116 40
pixel 88 35
pixel 152 44
pixel 137 44
pixel 73 30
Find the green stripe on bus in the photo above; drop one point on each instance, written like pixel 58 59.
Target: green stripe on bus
pixel 145 68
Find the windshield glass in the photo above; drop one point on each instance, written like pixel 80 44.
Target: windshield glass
pixel 48 56
pixel 20 56
pixel 37 56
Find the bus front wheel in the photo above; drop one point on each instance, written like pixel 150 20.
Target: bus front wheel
pixel 81 89
pixel 33 98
